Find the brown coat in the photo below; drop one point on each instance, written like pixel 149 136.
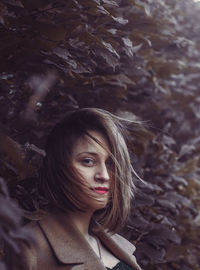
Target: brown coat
pixel 61 247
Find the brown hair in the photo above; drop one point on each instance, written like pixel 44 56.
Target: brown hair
pixel 59 183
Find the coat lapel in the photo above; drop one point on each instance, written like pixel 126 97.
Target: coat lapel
pixel 120 247
pixel 70 247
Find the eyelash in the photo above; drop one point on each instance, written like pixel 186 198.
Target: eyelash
pixel 85 162
pixel 89 162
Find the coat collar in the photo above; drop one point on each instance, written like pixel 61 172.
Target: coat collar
pixel 70 247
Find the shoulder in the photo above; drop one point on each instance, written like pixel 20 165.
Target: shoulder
pixel 33 229
pixel 31 251
pixel 39 242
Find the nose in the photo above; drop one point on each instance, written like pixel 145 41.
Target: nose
pixel 102 174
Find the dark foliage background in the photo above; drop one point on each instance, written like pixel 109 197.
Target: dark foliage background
pixel 139 59
pixel 11 229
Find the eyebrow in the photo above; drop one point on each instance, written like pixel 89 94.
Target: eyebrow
pixel 91 153
pixel 88 152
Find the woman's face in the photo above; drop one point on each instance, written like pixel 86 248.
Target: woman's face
pixel 92 162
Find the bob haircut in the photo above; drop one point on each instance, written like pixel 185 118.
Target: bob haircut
pixel 60 185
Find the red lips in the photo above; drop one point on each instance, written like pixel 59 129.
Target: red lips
pixel 100 190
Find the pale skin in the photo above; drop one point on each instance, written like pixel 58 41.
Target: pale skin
pixel 91 161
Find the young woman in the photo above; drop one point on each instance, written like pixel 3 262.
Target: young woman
pixel 87 178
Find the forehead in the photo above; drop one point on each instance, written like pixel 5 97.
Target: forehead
pixel 88 144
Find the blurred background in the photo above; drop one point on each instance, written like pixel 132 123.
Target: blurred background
pixel 139 59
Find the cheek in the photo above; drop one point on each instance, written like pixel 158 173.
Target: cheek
pixel 85 174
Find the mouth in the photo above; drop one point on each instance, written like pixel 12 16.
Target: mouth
pixel 100 190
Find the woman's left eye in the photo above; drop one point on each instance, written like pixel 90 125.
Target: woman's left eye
pixel 88 161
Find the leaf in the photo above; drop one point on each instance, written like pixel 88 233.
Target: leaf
pixel 119 80
pixel 137 48
pixel 149 187
pixel 41 85
pixel 102 10
pixel 110 2
pixel 189 166
pixel 186 149
pixel 167 140
pixel 179 180
pixel 109 47
pixel 143 199
pixel 139 222
pixel 147 10
pixel 30 5
pixel 13 151
pixel 120 20
pixel 16 3
pixel 50 35
pixel 128 46
pixel 161 233
pixel 154 255
pixel 111 60
pixel 35 149
pixel 175 252
pixel 112 31
pixel 174 200
pixel 167 204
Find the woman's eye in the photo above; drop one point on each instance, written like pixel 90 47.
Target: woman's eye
pixel 88 161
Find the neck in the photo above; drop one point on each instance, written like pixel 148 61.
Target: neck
pixel 81 221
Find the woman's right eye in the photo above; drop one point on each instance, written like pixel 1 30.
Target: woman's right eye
pixel 88 162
